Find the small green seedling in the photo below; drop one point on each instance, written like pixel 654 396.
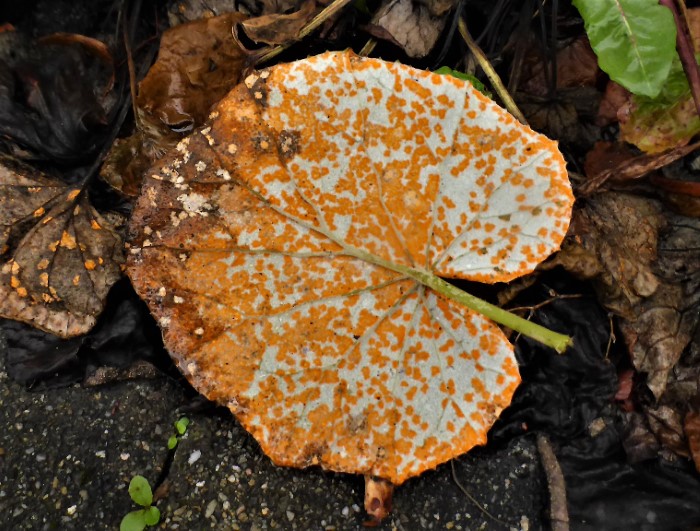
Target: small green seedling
pixel 478 85
pixel 140 492
pixel 180 428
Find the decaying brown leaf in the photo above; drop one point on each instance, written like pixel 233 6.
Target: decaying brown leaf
pixel 577 66
pixel 666 423
pixel 59 255
pixel 189 10
pixel 197 64
pixel 614 242
pixel 412 25
pixel 125 163
pixel 280 28
pixel 691 426
pixel 378 499
pixel 615 162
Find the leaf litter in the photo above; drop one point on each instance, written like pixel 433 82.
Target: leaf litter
pixel 60 256
pixel 285 266
pixel 681 391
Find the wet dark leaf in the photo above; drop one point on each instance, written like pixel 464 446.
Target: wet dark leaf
pixel 577 66
pixel 54 98
pixel 59 255
pixel 124 338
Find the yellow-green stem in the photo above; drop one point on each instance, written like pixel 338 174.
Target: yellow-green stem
pixel 558 342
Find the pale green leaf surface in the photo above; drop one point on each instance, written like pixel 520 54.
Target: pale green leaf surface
pixel 140 491
pixel 133 521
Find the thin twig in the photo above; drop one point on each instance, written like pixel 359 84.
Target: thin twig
pixel 471 498
pixel 539 305
pixel 368 47
pixel 319 19
pixel 558 511
pixel 132 75
pixel 490 72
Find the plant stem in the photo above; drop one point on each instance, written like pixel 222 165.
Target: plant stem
pixel 684 45
pixel 491 73
pixel 558 342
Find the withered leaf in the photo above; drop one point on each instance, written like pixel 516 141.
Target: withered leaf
pixel 197 64
pixel 280 28
pixel 55 98
pixel 59 255
pixel 614 241
pixel 408 24
pixel 691 427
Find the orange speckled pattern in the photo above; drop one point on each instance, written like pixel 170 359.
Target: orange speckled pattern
pixel 248 243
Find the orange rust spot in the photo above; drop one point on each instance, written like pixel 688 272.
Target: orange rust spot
pixel 90 265
pixel 67 241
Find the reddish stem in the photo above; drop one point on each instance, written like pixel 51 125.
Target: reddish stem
pixel 686 52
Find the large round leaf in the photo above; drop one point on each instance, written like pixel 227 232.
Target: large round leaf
pixel 286 250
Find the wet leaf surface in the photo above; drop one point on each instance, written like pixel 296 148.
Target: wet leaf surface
pixel 125 334
pixel 55 98
pixel 279 256
pixel 59 255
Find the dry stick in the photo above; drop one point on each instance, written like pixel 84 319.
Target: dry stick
pixel 132 76
pixel 494 78
pixel 685 51
pixel 558 511
pixel 472 499
pixel 368 47
pixel 635 168
pixel 319 19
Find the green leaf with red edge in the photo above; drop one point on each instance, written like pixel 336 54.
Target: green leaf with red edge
pixel 59 255
pixel 292 251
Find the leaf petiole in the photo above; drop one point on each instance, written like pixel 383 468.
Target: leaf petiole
pixel 555 340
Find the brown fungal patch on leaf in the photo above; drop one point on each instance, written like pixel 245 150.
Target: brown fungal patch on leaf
pixel 59 255
pixel 289 144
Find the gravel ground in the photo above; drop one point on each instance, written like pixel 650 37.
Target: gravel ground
pixel 67 455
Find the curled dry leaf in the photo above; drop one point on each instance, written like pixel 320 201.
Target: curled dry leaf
pixel 614 241
pixel 285 250
pixel 378 499
pixel 280 28
pixel 198 62
pixel 409 24
pixel 59 255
